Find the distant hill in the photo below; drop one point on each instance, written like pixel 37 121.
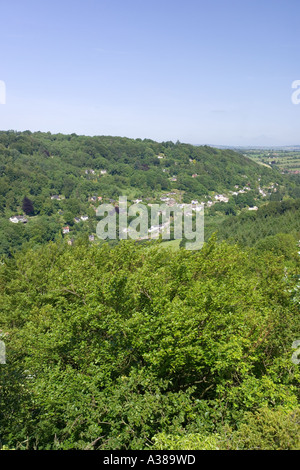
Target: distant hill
pixel 66 176
pixel 44 164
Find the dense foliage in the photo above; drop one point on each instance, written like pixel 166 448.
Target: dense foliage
pixel 134 347
pixel 265 227
pixel 44 164
pixel 131 345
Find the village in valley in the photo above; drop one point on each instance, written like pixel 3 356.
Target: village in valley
pixel 169 199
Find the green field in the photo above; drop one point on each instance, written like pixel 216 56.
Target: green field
pixel 286 159
pixel 173 244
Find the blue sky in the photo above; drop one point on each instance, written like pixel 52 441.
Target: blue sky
pixel 205 72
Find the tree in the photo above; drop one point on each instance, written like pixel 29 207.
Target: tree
pixel 27 206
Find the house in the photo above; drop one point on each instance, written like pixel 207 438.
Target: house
pixel 84 217
pixel 66 229
pixel 262 192
pixel 153 228
pixel 18 218
pixel 254 208
pixel 194 175
pixel 93 198
pixel 103 172
pixel 56 197
pixel 77 220
pixel 171 202
pixel 221 198
pixel 91 238
pixel 71 241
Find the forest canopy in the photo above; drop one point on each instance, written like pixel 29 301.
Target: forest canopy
pixel 133 345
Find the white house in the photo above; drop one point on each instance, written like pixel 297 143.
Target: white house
pixel 18 218
pixel 262 192
pixel 221 198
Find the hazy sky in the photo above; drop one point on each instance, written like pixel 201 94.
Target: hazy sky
pixel 204 72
